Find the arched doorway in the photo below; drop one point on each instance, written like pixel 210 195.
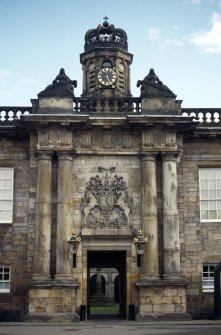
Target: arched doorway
pixel 100 304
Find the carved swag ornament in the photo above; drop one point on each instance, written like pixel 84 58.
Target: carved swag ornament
pixel 106 201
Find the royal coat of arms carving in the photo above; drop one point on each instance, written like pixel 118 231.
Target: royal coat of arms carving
pixel 106 200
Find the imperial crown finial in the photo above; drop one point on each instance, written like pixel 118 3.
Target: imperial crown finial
pixel 106 23
pixel 105 36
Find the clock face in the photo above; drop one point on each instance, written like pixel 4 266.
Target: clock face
pixel 107 76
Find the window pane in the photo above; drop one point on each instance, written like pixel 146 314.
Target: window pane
pixel 8 173
pixel 7 215
pixel 203 173
pixel 212 194
pixel 219 194
pixel 8 204
pixel 8 194
pixel 204 194
pixel 204 204
pixel 212 204
pixel 212 184
pixel 1 184
pixel 204 215
pixel 211 173
pixel 212 214
pixel 6 276
pixel 204 184
pixel 8 183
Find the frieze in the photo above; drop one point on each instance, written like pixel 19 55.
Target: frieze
pixel 106 201
pixel 54 139
pixel 158 140
pixel 107 141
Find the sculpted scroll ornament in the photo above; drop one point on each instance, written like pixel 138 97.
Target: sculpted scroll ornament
pixel 106 201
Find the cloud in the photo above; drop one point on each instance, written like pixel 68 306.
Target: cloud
pixel 5 75
pixel 170 40
pixel 209 41
pixel 153 33
pixel 196 2
pixel 176 42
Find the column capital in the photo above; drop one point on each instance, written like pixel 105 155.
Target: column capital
pixel 65 155
pixel 46 155
pixel 148 156
pixel 169 155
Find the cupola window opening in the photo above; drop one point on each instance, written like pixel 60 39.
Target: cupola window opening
pixel 107 63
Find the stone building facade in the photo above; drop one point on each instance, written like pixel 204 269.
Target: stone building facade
pixel 107 180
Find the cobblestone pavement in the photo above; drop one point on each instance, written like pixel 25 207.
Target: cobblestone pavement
pixel 112 328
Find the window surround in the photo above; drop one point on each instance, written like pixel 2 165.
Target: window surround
pixel 6 194
pixel 210 193
pixel 208 277
pixel 5 278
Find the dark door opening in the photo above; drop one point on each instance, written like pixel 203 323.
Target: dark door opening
pixel 106 284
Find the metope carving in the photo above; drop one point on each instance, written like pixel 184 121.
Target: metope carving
pixel 54 139
pixel 106 201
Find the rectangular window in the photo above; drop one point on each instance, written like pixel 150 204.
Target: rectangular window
pixel 5 277
pixel 6 194
pixel 208 277
pixel 210 194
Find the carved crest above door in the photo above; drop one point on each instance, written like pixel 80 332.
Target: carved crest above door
pixel 106 201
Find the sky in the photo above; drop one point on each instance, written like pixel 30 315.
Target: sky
pixel 180 39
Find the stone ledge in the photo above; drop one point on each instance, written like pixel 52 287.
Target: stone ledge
pixel 164 317
pixel 53 317
pixel 150 282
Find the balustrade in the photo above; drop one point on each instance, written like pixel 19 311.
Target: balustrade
pixel 207 116
pixel 12 113
pixel 105 105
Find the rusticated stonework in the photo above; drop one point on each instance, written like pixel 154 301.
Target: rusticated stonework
pixel 106 201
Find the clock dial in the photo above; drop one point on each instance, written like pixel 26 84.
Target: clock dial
pixel 107 76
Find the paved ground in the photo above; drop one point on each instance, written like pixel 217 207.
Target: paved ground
pixel 114 327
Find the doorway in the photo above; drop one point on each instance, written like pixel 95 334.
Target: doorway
pixel 106 284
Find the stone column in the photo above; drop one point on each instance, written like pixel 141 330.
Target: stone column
pixel 64 216
pixel 149 216
pixel 98 283
pixel 41 271
pixel 171 240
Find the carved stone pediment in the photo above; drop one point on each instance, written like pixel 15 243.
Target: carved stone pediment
pixel 106 201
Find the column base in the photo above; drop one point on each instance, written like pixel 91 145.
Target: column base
pixel 66 279
pixel 51 317
pixel 172 276
pixel 41 279
pixel 164 317
pixel 150 277
pixel 162 298
pixel 50 302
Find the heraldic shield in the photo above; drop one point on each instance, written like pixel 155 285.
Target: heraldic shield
pixel 106 201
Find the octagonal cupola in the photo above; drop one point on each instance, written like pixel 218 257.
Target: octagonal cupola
pixel 106 62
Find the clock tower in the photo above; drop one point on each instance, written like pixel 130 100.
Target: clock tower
pixel 106 62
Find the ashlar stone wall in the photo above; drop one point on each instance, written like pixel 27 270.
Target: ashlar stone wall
pixel 200 241
pixel 14 237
